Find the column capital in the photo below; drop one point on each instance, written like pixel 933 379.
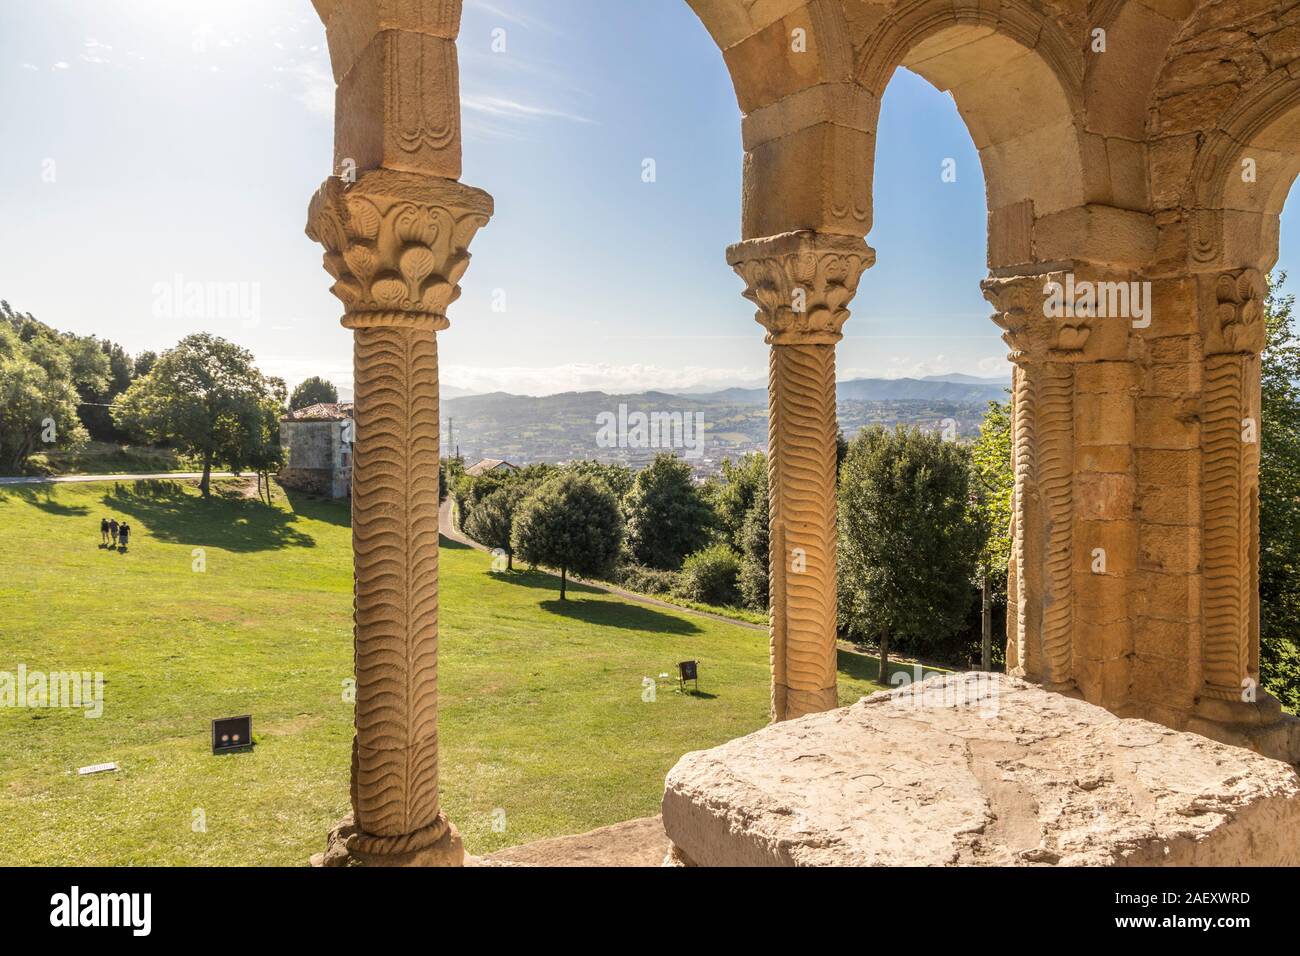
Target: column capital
pixel 1237 325
pixel 1031 333
pixel 802 283
pixel 397 244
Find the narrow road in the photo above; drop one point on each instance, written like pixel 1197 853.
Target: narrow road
pixel 451 532
pixel 77 479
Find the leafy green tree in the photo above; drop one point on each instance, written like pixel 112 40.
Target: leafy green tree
pixel 733 497
pixel 144 362
pixel 572 523
pixel 492 520
pixel 908 543
pixel 313 391
pixel 41 373
pixel 754 538
pixel 993 484
pixel 667 516
pixel 206 397
pixel 710 576
pixel 618 478
pixel 1279 500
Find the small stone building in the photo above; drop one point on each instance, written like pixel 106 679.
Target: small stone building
pixel 317 442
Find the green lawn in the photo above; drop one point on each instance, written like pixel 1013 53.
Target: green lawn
pixel 541 717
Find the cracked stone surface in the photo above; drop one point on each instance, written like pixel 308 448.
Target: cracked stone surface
pixel 979 769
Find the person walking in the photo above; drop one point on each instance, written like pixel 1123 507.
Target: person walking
pixel 123 533
pixel 103 533
pixel 112 530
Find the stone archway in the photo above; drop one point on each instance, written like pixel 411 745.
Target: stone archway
pixel 1135 529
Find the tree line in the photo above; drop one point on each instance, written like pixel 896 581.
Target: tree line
pixel 205 398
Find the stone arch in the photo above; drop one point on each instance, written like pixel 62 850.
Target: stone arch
pixel 1242 175
pixel 987 58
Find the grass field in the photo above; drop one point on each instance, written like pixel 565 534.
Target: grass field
pixel 541 717
pixel 106 458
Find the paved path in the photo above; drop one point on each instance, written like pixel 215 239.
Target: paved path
pixel 449 530
pixel 77 479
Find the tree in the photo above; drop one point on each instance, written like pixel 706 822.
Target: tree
pixel 206 397
pixel 710 576
pixel 993 483
pixel 1279 500
pixel 754 539
pixel 733 498
pixel 618 478
pixel 667 516
pixel 908 544
pixel 571 523
pixel 313 391
pixel 41 372
pixel 492 520
pixel 144 362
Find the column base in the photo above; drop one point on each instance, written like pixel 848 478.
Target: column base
pixel 1259 725
pixel 790 702
pixel 342 849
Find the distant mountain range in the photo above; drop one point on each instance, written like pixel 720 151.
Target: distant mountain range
pixel 555 428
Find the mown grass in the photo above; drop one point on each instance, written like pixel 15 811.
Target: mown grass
pixel 542 712
pixel 109 458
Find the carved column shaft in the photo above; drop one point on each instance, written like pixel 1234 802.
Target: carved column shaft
pixel 1040 584
pixel 802 283
pixel 396 244
pixel 1230 487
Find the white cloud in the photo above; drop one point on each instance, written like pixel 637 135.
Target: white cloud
pixel 61 65
pixel 30 66
pixel 95 52
pixel 512 109
pixel 315 87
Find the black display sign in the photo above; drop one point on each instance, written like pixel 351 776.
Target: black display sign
pixel 231 734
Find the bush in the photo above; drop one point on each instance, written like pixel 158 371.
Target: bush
pixel 711 576
pixel 643 580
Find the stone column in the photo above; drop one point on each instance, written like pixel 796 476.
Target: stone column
pixel 1044 351
pixel 802 283
pixel 1230 425
pixel 396 244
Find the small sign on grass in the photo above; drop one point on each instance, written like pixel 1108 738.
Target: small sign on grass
pixel 231 734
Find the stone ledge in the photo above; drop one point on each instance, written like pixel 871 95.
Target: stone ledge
pixel 977 769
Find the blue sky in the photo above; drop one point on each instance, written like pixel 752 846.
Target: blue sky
pixel 147 140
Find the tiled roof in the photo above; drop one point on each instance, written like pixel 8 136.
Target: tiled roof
pixel 321 412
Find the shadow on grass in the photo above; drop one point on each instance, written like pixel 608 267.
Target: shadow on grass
pixel 619 614
pixel 450 545
pixel 42 497
pixel 537 580
pixel 328 510
pixel 867 667
pixel 169 514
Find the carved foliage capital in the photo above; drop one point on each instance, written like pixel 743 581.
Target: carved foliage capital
pixel 1238 312
pixel 802 283
pixel 1030 330
pixel 397 244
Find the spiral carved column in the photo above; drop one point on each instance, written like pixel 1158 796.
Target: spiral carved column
pixel 1044 350
pixel 1230 501
pixel 396 244
pixel 802 283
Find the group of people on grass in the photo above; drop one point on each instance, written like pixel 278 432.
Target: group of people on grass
pixel 114 535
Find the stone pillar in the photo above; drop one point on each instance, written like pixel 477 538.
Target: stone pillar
pixel 802 283
pixel 396 244
pixel 1233 335
pixel 1046 352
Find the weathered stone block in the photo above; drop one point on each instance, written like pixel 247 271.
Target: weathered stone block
pixel 399 107
pixel 975 769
